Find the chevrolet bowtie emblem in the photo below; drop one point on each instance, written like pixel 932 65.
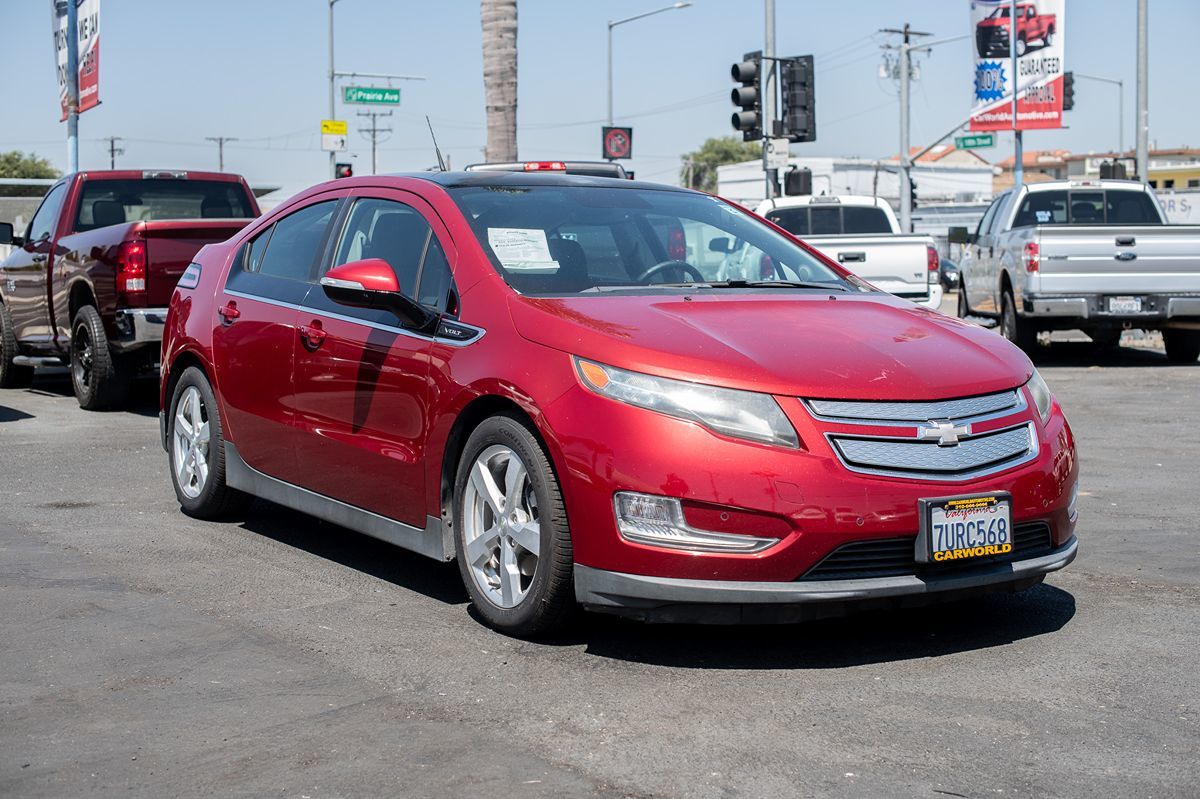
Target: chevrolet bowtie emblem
pixel 944 433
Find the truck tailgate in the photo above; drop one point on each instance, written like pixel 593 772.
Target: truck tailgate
pixel 172 244
pixel 893 263
pixel 1127 259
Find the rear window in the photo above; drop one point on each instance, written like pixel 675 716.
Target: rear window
pixel 825 220
pixel 1087 207
pixel 113 202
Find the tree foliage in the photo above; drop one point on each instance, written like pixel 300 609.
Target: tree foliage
pixel 16 164
pixel 699 169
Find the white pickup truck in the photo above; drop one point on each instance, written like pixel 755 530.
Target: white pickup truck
pixel 1096 256
pixel 862 234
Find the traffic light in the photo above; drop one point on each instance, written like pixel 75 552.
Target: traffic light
pixel 748 96
pixel 343 170
pixel 797 87
pixel 912 194
pixel 1068 90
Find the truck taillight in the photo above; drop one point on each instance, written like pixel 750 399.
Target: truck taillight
pixel 932 262
pixel 1031 257
pixel 131 268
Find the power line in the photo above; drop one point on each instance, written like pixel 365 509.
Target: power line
pixel 220 140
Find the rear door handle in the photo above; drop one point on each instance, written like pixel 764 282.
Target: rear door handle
pixel 313 335
pixel 229 312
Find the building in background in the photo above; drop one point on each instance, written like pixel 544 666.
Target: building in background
pixel 1177 168
pixel 1039 166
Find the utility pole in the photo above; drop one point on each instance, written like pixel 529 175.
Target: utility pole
pixel 1018 142
pixel 114 150
pixel 220 140
pixel 905 48
pixel 768 83
pixel 373 134
pixel 72 87
pixel 1143 100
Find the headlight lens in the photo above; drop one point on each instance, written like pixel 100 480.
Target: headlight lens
pixel 1042 397
pixel 739 414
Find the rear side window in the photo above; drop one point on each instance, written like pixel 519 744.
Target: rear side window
pixel 290 247
pixel 388 230
pixel 113 202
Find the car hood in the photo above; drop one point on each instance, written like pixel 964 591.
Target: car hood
pixel 818 345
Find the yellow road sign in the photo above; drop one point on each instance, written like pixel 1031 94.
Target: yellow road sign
pixel 336 127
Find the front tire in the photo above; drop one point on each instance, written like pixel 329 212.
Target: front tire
pixel 1183 346
pixel 1013 328
pixel 511 534
pixel 11 375
pixel 196 450
pixel 99 377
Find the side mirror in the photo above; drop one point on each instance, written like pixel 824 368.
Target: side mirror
pixel 371 283
pixel 960 235
pixel 719 244
pixel 6 233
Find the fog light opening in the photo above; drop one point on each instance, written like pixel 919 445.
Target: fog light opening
pixel 659 521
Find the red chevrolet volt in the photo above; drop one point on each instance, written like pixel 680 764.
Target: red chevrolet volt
pixel 540 377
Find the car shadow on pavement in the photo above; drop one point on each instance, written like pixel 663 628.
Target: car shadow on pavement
pixel 1072 353
pixel 8 414
pixel 56 382
pixel 858 639
pixel 379 559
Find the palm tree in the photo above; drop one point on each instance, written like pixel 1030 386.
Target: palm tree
pixel 499 18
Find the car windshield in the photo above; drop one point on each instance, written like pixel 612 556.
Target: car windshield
pixel 556 240
pixel 112 202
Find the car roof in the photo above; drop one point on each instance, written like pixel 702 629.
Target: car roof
pixel 824 200
pixel 494 178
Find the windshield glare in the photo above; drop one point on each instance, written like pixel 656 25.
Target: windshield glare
pixel 556 240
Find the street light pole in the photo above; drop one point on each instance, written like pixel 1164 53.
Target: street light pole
pixel 1120 106
pixel 332 107
pixel 614 23
pixel 1143 100
pixel 72 87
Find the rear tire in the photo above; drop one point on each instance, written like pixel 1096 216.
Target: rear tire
pixel 196 451
pixel 507 501
pixel 1013 328
pixel 100 377
pixel 11 375
pixel 1183 346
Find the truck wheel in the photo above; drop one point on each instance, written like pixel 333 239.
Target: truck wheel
pixel 1048 40
pixel 1013 328
pixel 1022 46
pixel 196 450
pixel 1183 346
pixel 511 534
pixel 97 374
pixel 11 375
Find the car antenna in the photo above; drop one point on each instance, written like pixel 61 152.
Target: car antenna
pixel 436 149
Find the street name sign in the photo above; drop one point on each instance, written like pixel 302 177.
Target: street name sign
pixel 976 141
pixel 370 95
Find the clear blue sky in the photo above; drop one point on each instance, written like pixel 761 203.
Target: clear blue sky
pixel 175 72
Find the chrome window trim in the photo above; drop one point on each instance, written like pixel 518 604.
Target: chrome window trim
pixel 941 407
pixel 479 331
pixel 1019 459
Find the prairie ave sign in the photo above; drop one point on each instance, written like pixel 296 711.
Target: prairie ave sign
pixel 370 95
pixel 973 142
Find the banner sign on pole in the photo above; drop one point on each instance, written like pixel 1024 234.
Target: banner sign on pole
pixel 89 51
pixel 1040 28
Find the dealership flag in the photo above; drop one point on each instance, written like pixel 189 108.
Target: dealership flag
pixel 1040 28
pixel 89 51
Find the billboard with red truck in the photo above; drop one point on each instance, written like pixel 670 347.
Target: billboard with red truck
pixel 1038 69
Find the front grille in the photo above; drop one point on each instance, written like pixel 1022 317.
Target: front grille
pixel 895 557
pixel 915 449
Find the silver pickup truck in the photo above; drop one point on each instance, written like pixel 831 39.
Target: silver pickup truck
pixel 1096 256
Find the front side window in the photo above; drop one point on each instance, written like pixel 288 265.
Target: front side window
pixel 42 225
pixel 564 239
pixel 290 249
pixel 988 215
pixel 388 230
pixel 113 202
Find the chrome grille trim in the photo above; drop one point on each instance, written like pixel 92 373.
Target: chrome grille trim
pixel 903 414
pixel 973 457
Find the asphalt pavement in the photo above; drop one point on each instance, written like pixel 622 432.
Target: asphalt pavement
pixel 143 653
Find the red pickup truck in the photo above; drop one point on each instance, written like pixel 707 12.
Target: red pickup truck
pixel 991 34
pixel 88 283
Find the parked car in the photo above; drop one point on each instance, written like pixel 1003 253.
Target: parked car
pixel 948 274
pixel 517 371
pixel 599 169
pixel 862 234
pixel 89 281
pixel 1097 256
pixel 992 32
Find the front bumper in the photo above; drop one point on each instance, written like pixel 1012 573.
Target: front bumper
pixel 136 327
pixel 668 599
pixel 1157 309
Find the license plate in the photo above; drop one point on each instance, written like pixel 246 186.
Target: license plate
pixel 1124 304
pixel 957 529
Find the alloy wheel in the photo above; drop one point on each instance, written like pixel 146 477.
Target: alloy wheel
pixel 81 366
pixel 502 530
pixel 190 443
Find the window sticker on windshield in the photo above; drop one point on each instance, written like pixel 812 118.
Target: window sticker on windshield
pixel 522 250
pixel 1044 216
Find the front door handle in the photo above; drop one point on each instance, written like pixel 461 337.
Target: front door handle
pixel 229 312
pixel 313 335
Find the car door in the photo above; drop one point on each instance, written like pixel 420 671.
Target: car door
pixel 27 269
pixel 362 380
pixel 255 332
pixel 982 254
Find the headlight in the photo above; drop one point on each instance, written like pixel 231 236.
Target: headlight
pixel 1042 397
pixel 739 414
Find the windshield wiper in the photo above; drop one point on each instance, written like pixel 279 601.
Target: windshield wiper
pixel 757 284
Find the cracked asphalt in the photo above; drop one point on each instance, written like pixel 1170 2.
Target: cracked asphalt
pixel 143 653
